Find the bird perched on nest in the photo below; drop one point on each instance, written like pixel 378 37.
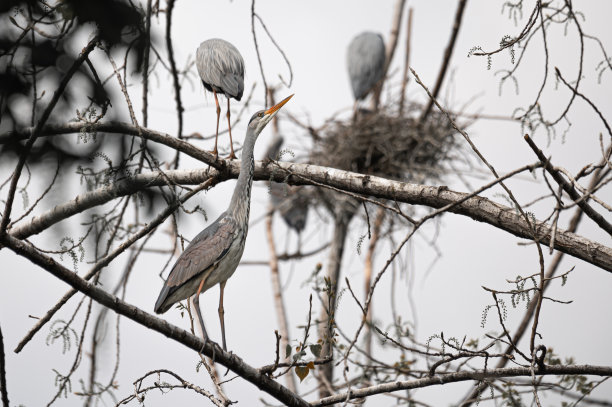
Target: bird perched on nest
pixel 366 63
pixel 221 69
pixel 213 255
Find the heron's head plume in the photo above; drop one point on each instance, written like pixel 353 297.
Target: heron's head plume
pixel 261 118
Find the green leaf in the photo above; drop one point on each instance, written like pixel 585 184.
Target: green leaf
pixel 287 351
pixel 301 372
pixel 316 350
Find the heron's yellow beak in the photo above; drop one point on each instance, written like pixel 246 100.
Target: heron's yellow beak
pixel 275 108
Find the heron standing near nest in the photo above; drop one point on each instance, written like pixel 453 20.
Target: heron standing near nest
pixel 221 69
pixel 366 63
pixel 213 255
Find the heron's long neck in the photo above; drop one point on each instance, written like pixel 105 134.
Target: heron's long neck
pixel 241 199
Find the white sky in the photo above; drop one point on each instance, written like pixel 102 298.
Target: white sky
pixel 314 35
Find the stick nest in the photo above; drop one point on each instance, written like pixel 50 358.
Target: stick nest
pixel 388 145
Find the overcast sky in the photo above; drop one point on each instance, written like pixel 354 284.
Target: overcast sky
pixel 314 35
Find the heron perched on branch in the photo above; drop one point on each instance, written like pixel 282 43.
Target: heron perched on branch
pixel 366 63
pixel 213 255
pixel 221 69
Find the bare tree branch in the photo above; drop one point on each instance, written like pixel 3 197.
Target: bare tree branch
pixel 229 360
pixel 448 52
pixel 279 303
pixel 478 208
pixel 522 327
pixel 569 189
pixel 3 390
pixel 154 223
pixel 442 379
pixel 36 131
pixel 396 22
pixel 175 78
pixel 405 76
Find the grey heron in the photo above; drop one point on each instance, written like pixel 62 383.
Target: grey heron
pixel 366 63
pixel 213 255
pixel 221 69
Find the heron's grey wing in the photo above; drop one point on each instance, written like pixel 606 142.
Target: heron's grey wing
pixel 221 66
pixel 197 262
pixel 206 249
pixel 233 82
pixel 366 62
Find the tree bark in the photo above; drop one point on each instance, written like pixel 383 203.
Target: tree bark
pixel 342 218
pixel 475 207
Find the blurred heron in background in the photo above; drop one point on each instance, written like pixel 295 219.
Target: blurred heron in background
pixel 213 255
pixel 366 63
pixel 221 69
pixel 291 201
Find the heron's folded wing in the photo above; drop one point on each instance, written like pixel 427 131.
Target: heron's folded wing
pixel 233 85
pixel 204 251
pixel 220 65
pixel 366 62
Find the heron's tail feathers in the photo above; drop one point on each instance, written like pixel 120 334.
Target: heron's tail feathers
pixel 160 305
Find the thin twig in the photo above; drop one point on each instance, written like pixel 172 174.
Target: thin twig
pixel 233 362
pixel 175 79
pixel 37 131
pixel 405 76
pixel 569 189
pixel 279 304
pixel 3 389
pixel 396 22
pixel 106 260
pixel 280 50
pixel 367 272
pixel 261 70
pixel 448 52
pixel 522 327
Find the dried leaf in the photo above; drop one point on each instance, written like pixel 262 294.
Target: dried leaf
pixel 301 372
pixel 310 365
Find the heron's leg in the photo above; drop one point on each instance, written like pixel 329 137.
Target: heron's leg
pixel 221 314
pixel 229 126
pixel 287 234
pixel 215 152
pixel 196 304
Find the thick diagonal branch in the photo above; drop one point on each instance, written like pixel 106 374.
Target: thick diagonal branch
pixel 475 207
pixel 229 360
